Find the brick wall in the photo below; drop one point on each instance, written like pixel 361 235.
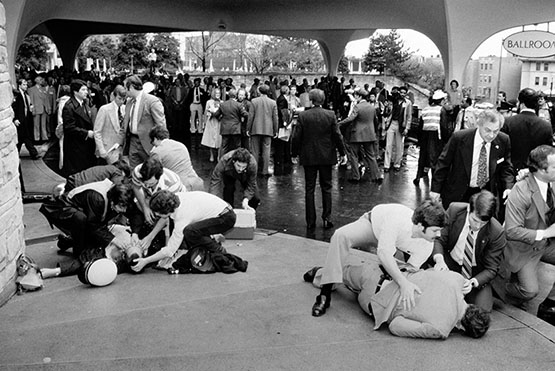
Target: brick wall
pixel 11 207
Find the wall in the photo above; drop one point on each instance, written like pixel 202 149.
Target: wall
pixel 11 207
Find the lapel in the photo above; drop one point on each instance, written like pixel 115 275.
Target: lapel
pixel 81 110
pixel 537 198
pixel 141 109
pixel 457 226
pixel 482 239
pixel 114 117
pixel 467 149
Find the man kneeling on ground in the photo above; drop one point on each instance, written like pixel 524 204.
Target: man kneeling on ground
pixel 391 228
pixel 196 215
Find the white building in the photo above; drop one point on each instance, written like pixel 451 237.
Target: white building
pixel 538 74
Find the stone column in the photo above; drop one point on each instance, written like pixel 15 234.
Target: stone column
pixel 11 207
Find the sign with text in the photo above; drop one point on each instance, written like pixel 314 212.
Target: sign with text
pixel 531 44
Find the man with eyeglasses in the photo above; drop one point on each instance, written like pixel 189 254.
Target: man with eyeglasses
pixel 238 165
pixel 472 244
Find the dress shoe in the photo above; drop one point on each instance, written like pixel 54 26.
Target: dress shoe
pixel 416 182
pixel 309 276
pixel 386 170
pixel 546 311
pixel 64 242
pixel 322 303
pixel 327 224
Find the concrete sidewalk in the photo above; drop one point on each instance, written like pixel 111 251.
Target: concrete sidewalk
pixel 258 320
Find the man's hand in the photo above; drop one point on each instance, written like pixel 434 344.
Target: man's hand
pixel 145 243
pixel 435 196
pixel 90 134
pixel 407 290
pixel 469 285
pixel 245 204
pixel 441 266
pixel 16 122
pixel 549 231
pixel 138 264
pixel 149 215
pixel 343 160
pixel 522 173
pixel 506 194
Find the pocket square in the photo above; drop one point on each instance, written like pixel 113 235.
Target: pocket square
pixel 501 160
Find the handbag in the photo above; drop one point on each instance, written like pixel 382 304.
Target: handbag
pixel 29 277
pixel 284 133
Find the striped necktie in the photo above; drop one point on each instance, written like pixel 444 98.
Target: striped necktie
pixel 468 255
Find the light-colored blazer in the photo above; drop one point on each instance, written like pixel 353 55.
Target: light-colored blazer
pixel 263 118
pixel 151 113
pixel 107 133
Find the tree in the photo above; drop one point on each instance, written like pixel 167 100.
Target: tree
pixel 433 74
pixel 33 53
pixel 343 66
pixel 97 47
pixel 293 53
pixel 167 49
pixel 132 48
pixel 256 52
pixel 203 47
pixel 386 52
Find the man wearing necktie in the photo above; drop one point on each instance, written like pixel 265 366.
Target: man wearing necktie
pixel 107 127
pixel 197 113
pixel 472 160
pixel 472 244
pixel 142 113
pixel 530 228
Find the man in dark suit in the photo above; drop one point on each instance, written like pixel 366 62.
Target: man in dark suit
pixel 142 113
pixel 315 140
pixel 472 244
pixel 526 130
pixel 79 144
pixel 474 159
pixel 23 119
pixel 362 140
pixel 230 114
pixel 530 228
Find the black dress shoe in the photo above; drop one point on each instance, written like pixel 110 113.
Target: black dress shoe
pixel 327 224
pixel 309 276
pixel 322 303
pixel 546 312
pixel 64 242
pixel 416 182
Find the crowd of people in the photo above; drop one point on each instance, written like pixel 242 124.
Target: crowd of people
pixel 132 195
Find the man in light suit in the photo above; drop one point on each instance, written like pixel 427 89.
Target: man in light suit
pixel 142 113
pixel 460 172
pixel 526 130
pixel 262 126
pixel 363 136
pixel 107 127
pixel 530 228
pixel 230 114
pixel 475 221
pixel 315 141
pixel 41 108
pixel 438 308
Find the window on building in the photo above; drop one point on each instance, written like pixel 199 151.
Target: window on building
pixel 491 66
pixel 544 81
pixel 538 66
pixel 489 78
pixel 546 66
pixel 537 81
pixel 481 66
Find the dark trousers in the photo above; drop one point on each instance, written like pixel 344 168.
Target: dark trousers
pixel 229 192
pixel 137 154
pixel 310 174
pixel 197 235
pixel 363 153
pixel 229 143
pixel 282 157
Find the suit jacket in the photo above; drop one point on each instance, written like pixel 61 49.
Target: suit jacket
pixel 488 248
pixel 316 138
pixel 18 107
pixel 230 113
pixel 263 117
pixel 107 132
pixel 451 178
pixel 78 148
pixel 151 113
pixel 525 214
pixel 529 131
pixel 437 311
pixel 40 100
pixel 363 119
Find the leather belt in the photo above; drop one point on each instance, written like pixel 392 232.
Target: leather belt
pixel 227 209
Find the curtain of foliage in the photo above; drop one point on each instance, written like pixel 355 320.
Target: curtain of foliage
pixel 98 47
pixel 343 66
pixel 132 47
pixel 298 53
pixel 167 49
pixel 386 52
pixel 32 53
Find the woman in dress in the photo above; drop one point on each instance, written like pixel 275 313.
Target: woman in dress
pixel 211 137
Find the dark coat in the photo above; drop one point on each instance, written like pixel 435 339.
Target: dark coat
pixel 25 120
pixel 78 147
pixel 364 119
pixel 488 248
pixel 317 137
pixel 527 131
pixel 451 179
pixel 231 113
